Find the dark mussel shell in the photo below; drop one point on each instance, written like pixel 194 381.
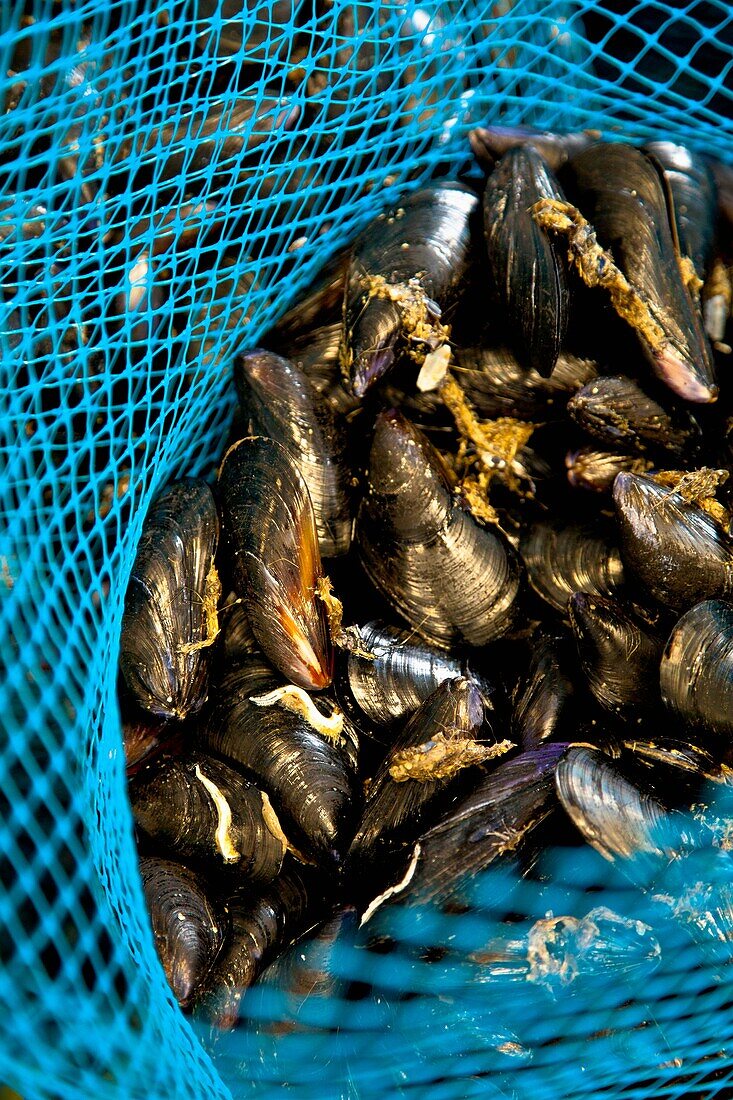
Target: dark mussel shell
pixel 188 934
pixel 309 778
pixel 270 532
pixel 401 673
pixel 497 384
pixel 141 736
pixel 317 354
pixel 613 814
pixel 619 656
pixel 223 130
pixel 620 192
pixel 262 920
pixel 451 579
pixel 696 673
pixel 396 811
pixel 233 27
pixel 173 581
pixel 677 772
pixel 201 809
pixel 319 305
pixel 489 143
pixel 596 471
pixel 238 639
pixel 617 412
pixel 566 558
pixel 285 998
pixel 529 275
pixel 556 951
pixel 405 273
pixel 281 403
pixel 691 184
pixel 673 547
pixel 545 699
pixel 496 819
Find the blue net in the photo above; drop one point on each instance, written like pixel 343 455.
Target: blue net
pixel 174 174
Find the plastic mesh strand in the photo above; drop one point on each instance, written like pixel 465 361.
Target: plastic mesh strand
pixel 143 244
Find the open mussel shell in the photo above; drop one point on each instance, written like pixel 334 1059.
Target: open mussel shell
pixel 696 673
pixel 616 411
pixel 528 272
pixel 674 548
pixel 545 698
pixel 281 403
pixel 694 198
pixel 619 819
pixel 270 533
pixel 395 812
pixel 562 558
pixel 201 809
pixel 405 273
pixel 619 655
pixel 497 384
pixel 496 819
pixel 620 192
pixel 308 777
pixel 262 920
pixel 188 934
pixel 453 580
pixel 164 648
pixel 401 672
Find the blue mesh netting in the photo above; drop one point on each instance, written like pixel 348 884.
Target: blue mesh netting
pixel 165 196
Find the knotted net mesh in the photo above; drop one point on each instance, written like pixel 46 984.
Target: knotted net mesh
pixel 173 175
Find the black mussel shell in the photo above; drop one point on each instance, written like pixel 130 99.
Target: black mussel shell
pixel 319 304
pixel 497 384
pixel 281 403
pixel 696 673
pixel 141 736
pixel 618 818
pixel 188 934
pixel 317 354
pixel 166 668
pixel 489 143
pixel 545 700
pixel 562 558
pixel 691 186
pixel 201 809
pixel 238 638
pixel 396 811
pixel 410 262
pixel 238 27
pixel 496 819
pixel 677 772
pixel 401 672
pixel 309 778
pixel 528 272
pixel 673 547
pixel 453 580
pixel 270 533
pixel 262 921
pixel 620 192
pixel 594 470
pixel 617 412
pixel 307 972
pixel 619 655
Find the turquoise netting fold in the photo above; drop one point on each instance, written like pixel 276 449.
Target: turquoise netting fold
pixel 173 174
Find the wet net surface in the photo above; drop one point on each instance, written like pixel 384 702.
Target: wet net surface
pixel 172 177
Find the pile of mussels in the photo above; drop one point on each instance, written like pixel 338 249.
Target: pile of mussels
pixel 497 419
